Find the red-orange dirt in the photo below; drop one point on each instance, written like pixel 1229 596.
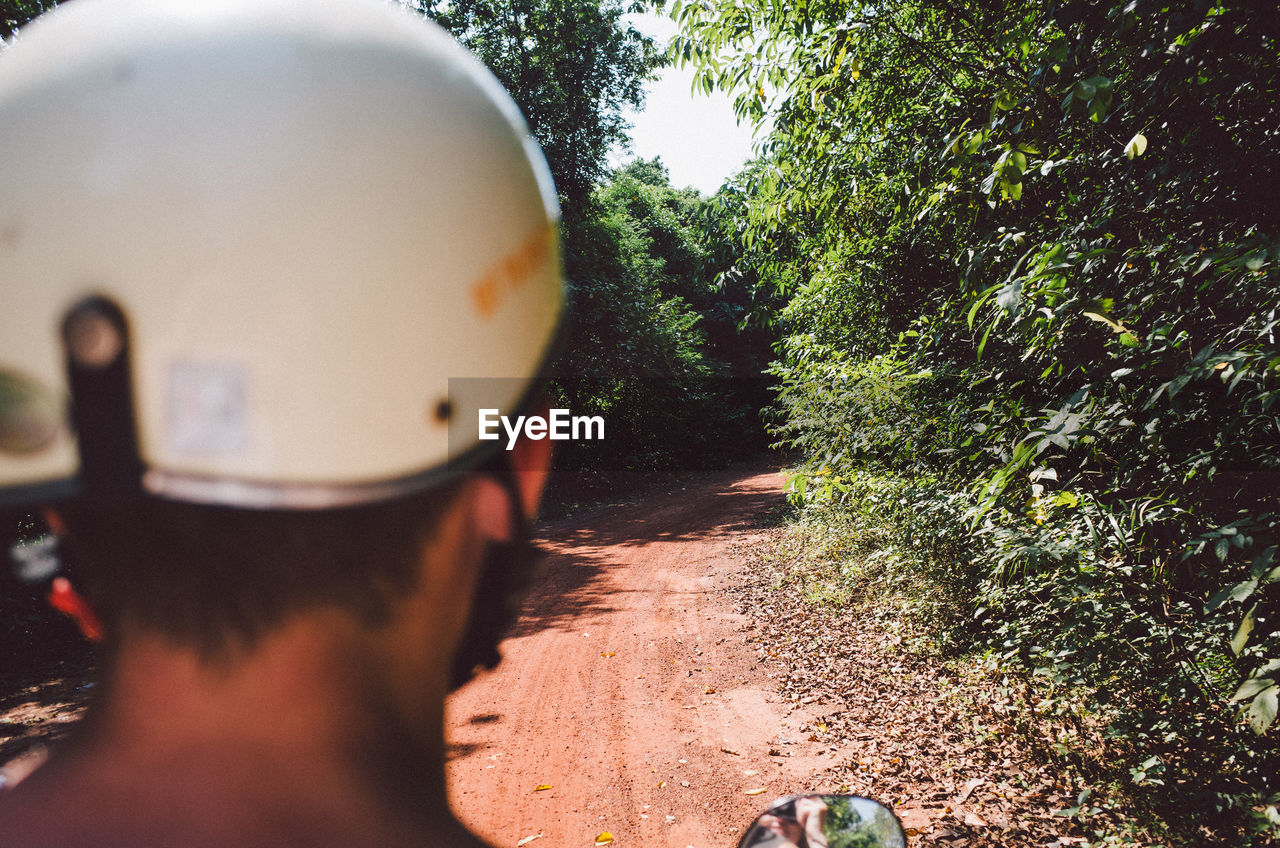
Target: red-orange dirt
pixel 630 700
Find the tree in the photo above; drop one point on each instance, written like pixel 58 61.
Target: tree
pixel 573 66
pixel 655 345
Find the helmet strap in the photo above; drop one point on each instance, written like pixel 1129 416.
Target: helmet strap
pixel 96 336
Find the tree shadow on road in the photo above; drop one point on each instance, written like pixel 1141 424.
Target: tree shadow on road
pixel 724 506
pixel 575 584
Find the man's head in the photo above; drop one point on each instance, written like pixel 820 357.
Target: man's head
pixel 262 264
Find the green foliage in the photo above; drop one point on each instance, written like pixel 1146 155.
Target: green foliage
pixel 1031 269
pixel 845 827
pixel 572 65
pixel 15 13
pixel 654 344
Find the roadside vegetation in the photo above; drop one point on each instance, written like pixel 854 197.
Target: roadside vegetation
pixel 1029 354
pixel 945 737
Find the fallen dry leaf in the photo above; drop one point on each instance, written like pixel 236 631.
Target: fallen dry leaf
pixel 757 791
pixel 529 839
pixel 974 820
pixel 969 786
pixel 749 773
pixel 608 654
pixel 542 787
pixel 605 838
pixel 710 690
pixel 730 751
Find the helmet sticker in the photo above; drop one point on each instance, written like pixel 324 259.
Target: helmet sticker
pixel 512 271
pixel 208 412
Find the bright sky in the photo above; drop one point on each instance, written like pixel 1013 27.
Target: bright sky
pixel 697 136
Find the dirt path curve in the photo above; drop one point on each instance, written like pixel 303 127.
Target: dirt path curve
pixel 629 686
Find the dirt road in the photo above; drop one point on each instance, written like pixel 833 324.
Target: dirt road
pixel 629 699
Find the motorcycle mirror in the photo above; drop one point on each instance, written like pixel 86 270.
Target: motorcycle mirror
pixel 825 821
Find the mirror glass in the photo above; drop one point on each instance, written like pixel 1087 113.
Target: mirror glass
pixel 825 821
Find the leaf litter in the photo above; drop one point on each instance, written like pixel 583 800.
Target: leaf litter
pixel 941 746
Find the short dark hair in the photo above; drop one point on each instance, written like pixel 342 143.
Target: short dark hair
pixel 217 578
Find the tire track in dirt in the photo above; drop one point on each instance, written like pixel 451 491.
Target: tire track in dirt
pixel 630 687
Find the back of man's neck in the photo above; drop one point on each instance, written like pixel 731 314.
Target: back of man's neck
pixel 266 750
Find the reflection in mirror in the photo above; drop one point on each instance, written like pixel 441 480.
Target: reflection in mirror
pixel 825 821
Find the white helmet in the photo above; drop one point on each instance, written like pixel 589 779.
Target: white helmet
pixel 316 219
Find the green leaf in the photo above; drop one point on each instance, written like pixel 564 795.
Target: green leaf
pixel 1263 710
pixel 1178 383
pixel 1098 108
pixel 1009 297
pixel 977 304
pixel 1242 635
pixel 1099 317
pixel 1261 562
pixel 1136 146
pixel 983 344
pixel 1238 592
pixel 1252 687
